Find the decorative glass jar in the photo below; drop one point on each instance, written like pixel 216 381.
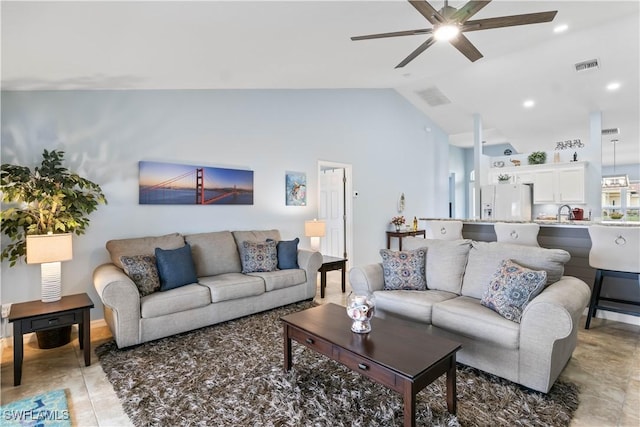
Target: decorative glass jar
pixel 360 308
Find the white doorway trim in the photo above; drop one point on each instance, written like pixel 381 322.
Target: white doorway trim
pixel 348 199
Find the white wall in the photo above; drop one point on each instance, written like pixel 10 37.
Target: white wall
pixel 392 146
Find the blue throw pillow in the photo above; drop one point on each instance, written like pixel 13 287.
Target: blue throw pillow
pixel 175 267
pixel 288 254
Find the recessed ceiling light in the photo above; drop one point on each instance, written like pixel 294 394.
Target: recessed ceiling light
pixel 560 28
pixel 528 103
pixel 613 86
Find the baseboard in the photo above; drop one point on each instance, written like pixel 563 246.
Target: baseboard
pixel 618 317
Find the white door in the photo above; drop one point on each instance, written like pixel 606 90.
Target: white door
pixel 332 211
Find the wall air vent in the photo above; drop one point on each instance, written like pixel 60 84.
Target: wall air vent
pixel 591 64
pixel 611 131
pixel 433 96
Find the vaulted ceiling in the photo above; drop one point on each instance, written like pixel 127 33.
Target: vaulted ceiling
pixel 306 44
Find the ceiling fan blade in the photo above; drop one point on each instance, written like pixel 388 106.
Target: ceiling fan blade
pixel 468 10
pixel 509 21
pixel 417 52
pixel 466 47
pixel 427 11
pixel 394 34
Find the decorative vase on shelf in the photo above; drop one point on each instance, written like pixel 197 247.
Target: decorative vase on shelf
pixel 360 308
pixel 397 228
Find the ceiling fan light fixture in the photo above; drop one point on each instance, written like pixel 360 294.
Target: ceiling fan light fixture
pixel 446 32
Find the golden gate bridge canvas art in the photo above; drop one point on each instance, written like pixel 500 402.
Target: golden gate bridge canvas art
pixel 176 184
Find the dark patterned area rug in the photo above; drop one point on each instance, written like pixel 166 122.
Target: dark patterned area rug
pixel 231 375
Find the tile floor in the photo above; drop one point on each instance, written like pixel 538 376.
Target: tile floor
pixel 606 366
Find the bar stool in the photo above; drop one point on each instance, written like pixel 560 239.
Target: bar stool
pixel 615 252
pixel 444 230
pixel 518 234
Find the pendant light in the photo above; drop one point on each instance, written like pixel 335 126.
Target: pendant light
pixel 615 181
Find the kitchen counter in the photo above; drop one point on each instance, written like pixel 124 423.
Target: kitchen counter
pixel 542 222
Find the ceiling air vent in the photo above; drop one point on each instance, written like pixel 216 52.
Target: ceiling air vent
pixel 591 64
pixel 611 131
pixel 433 96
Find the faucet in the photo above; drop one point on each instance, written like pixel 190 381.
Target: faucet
pixel 569 215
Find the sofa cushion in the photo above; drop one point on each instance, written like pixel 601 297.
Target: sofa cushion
pixel 214 253
pixel 142 246
pixel 412 305
pixel 446 262
pixel 288 254
pixel 511 288
pixel 255 236
pixel 175 267
pixel 485 257
pixel 228 286
pixel 467 317
pixel 258 256
pixel 174 300
pixel 281 279
pixel 143 271
pixel 404 269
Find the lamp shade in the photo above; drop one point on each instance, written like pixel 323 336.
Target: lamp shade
pixel 43 248
pixel 315 228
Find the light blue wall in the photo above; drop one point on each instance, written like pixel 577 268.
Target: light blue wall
pixel 392 147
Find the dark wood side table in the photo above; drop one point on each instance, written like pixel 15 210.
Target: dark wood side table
pixel 35 316
pixel 330 263
pixel 401 234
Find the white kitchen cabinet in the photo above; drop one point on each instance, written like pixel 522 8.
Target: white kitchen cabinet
pixel 561 184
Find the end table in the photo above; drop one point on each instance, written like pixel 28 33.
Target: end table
pixel 330 263
pixel 36 316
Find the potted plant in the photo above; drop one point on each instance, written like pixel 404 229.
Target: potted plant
pixel 48 200
pixel 503 178
pixel 397 221
pixel 537 158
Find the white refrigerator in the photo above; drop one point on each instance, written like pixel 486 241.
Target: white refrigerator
pixel 504 202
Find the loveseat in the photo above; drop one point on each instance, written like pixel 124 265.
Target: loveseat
pixel 531 349
pixel 232 274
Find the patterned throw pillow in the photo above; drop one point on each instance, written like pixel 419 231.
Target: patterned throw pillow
pixel 258 256
pixel 404 269
pixel 143 271
pixel 511 288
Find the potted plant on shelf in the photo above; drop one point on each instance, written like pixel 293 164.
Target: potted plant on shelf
pixel 504 178
pixel 397 221
pixel 537 158
pixel 48 200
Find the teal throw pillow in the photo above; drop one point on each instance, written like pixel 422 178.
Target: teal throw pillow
pixel 511 288
pixel 175 267
pixel 288 254
pixel 404 269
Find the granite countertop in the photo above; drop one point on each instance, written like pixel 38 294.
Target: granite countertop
pixel 543 223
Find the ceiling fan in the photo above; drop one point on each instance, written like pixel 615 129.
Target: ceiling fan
pixel 449 23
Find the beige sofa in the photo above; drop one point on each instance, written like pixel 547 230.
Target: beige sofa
pixel 222 292
pixel 532 352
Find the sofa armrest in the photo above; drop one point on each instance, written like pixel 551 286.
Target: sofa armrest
pixel 310 262
pixel 121 301
pixel 367 278
pixel 548 331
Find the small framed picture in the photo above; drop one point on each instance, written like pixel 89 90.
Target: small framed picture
pixel 296 188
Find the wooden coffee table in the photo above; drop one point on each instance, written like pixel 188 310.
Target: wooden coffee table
pixel 398 354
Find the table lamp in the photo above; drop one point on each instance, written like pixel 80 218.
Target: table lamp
pixel 315 230
pixel 49 250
